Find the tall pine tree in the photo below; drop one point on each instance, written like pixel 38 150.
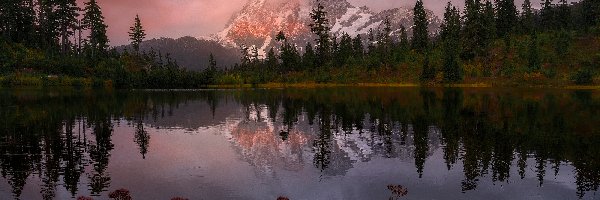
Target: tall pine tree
pixel 357 46
pixel 450 36
pixel 212 63
pixel 507 17
pixel 308 59
pixel 420 38
pixel 17 19
pixel 66 20
pixel 244 51
pixel 473 31
pixel 385 42
pixel 94 22
pixel 137 33
pixel 547 15
pixel 402 47
pixel 488 17
pixel 563 15
pixel 591 12
pixel 320 27
pixel 345 49
pixel 290 58
pixel 404 43
pixel 271 60
pixel 527 18
pixel 47 32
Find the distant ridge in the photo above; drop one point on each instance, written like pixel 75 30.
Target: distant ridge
pixel 191 53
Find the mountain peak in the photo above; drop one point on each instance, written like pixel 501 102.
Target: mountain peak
pixel 260 20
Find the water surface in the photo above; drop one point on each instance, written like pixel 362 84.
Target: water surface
pixel 326 143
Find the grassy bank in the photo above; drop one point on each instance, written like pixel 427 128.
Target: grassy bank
pixel 78 82
pixel 53 81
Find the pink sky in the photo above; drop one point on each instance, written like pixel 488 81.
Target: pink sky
pixel 166 18
pixel 178 18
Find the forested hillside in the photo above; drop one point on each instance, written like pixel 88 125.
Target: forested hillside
pixel 494 43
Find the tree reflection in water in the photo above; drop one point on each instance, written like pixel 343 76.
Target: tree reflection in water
pixel 62 136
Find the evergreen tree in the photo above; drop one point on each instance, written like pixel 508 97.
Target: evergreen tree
pixel 473 33
pixel 66 12
pixel 400 50
pixel 507 17
pixel 47 32
pixel 280 36
pixel 335 47
pixel 420 39
pixel 255 54
pixel 160 62
pixel 371 40
pixel 210 72
pixel 527 20
pixel 320 27
pixel 488 17
pixel 212 63
pixel 591 12
pixel 357 45
pixel 563 15
pixel 450 36
pixel 245 55
pixel 404 44
pixel 271 60
pixel 386 35
pixel 290 59
pixel 385 42
pixel 308 59
pixel 17 20
pixel 547 15
pixel 94 22
pixel 4 9
pixel 27 22
pixel 137 33
pixel 346 49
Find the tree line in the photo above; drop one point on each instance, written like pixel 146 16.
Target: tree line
pixel 471 37
pixel 56 42
pixel 485 39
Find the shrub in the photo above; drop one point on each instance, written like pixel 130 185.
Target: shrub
pixel 583 76
pixel 120 194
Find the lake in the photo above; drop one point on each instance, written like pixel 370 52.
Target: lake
pixel 319 143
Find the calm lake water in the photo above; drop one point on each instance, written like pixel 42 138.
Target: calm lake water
pixel 327 143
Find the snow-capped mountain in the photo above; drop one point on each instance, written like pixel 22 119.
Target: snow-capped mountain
pixel 260 20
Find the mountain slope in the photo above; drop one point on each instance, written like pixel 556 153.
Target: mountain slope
pixel 260 20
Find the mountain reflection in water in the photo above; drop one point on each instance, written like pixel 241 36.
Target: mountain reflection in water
pixel 324 143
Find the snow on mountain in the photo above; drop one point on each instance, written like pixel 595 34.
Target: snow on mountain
pixel 260 20
pixel 355 21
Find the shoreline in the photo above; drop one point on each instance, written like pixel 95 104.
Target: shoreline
pixel 395 85
pixel 81 82
pixel 316 85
